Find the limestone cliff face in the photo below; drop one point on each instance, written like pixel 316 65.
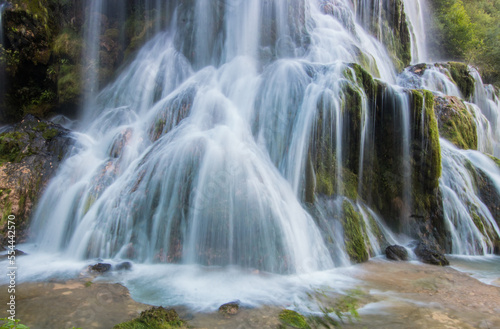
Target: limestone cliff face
pixel 387 22
pixel 374 169
pixel 30 153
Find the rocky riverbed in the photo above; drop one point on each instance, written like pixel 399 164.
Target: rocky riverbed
pixel 394 295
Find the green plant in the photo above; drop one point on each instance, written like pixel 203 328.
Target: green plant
pixel 344 307
pixel 12 324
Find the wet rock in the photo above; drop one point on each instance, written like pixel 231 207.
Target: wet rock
pixel 293 319
pixel 455 122
pixel 30 153
pixel 155 317
pixel 124 266
pixel 396 252
pixel 100 267
pixel 230 308
pixel 16 253
pixel 430 255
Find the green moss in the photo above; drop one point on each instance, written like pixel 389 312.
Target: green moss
pixel 434 147
pixel 69 83
pixel 12 146
pixel 426 159
pixel 464 81
pixel 154 318
pixel 478 222
pixel 496 160
pixel 310 184
pixel 88 203
pixel 457 123
pixel 7 210
pixel 354 232
pixel 348 186
pixel 68 46
pixel 368 63
pixel 324 184
pixel 364 79
pixel 293 319
pixel 50 133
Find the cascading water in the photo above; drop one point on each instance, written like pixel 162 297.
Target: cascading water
pixel 231 185
pixel 91 53
pixel 417 12
pixel 201 152
pixel 471 225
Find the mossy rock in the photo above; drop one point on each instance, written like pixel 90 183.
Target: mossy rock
pixel 68 45
pixel 14 146
pixel 354 233
pixel 455 122
pixel 293 319
pixel 494 159
pixel 69 84
pixel 323 161
pixel 154 318
pixel 463 79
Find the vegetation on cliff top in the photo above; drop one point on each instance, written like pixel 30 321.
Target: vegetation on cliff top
pixel 468 30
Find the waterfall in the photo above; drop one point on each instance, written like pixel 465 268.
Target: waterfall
pixel 417 12
pixel 199 148
pixel 242 134
pixel 484 105
pixel 92 45
pixel 470 223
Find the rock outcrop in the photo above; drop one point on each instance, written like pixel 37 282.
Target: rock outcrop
pixel 30 153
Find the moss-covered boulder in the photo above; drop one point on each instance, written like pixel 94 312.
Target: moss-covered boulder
pixel 154 318
pixel 293 319
pixel 463 79
pixel 455 122
pixel 30 153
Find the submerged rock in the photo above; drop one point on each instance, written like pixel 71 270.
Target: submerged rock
pixel 429 255
pixel 230 308
pixel 100 267
pixel 123 266
pixel 396 252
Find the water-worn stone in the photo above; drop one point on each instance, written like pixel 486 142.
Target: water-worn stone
pixel 230 308
pixel 100 267
pixel 123 266
pixel 396 252
pixel 430 255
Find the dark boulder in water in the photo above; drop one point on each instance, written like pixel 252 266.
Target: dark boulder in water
pixel 396 252
pixel 429 255
pixel 123 266
pixel 100 267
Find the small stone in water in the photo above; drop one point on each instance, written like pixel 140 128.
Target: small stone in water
pixel 100 267
pixel 230 308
